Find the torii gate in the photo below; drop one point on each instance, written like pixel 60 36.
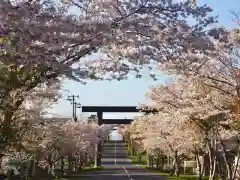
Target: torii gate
pixel 113 109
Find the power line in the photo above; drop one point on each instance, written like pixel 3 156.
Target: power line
pixel 72 99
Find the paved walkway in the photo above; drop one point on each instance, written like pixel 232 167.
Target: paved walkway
pixel 120 173
pixel 115 153
pixel 117 166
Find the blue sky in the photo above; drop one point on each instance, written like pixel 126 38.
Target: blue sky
pixel 129 92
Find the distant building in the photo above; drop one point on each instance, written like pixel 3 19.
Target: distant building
pixel 55 119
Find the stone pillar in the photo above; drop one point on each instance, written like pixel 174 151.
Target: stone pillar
pixel 97 155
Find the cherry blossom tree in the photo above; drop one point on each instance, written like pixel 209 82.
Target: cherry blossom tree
pixel 195 102
pixel 41 43
pixel 35 48
pixel 49 143
pixel 192 118
pixel 36 102
pixel 164 133
pixel 214 90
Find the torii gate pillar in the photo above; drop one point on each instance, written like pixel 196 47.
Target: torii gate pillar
pixel 100 117
pixel 98 147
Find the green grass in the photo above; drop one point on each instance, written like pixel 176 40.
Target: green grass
pixel 181 177
pixel 74 175
pixel 89 168
pixel 136 162
pixel 167 176
pixel 84 169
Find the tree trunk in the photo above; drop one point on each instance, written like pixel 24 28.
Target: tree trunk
pixel 133 151
pixel 131 148
pixel 10 175
pixel 151 163
pixel 212 160
pixel 62 166
pixel 176 165
pixel 200 167
pixel 162 162
pixel 69 166
pixel 228 165
pixel 75 165
pixel 173 168
pixel 138 156
pixel 158 161
pixel 1 158
pixel 30 169
pixel 33 168
pixel 148 160
pixel 50 170
pixel 236 166
pixel 6 133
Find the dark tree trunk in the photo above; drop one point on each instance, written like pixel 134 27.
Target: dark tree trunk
pixel 200 167
pixel 62 166
pixel 177 164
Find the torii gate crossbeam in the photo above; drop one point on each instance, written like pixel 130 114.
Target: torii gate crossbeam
pixel 101 109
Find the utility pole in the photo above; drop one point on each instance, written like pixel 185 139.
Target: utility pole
pixel 76 105
pixel 72 99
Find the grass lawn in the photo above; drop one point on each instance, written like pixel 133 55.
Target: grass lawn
pixel 74 175
pixel 87 169
pixel 166 176
pixel 84 169
pixel 136 162
pixel 182 177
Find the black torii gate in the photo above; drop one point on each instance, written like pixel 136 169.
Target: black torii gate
pixel 115 109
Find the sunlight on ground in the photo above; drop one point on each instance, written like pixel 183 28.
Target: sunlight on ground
pixel 115 136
